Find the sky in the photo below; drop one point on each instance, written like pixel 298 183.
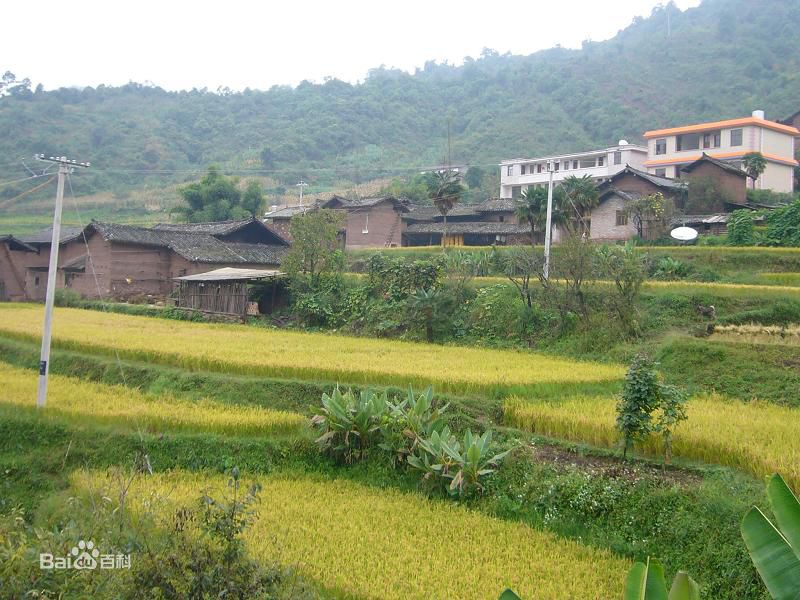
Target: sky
pixel 180 44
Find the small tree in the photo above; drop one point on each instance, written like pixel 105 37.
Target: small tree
pixel 578 196
pixel 642 395
pixel 650 209
pixel 423 302
pixel 626 266
pixel 316 249
pixel 445 194
pixel 754 165
pixel 474 177
pixel 214 198
pixel 531 208
pixel 576 267
pixel 253 198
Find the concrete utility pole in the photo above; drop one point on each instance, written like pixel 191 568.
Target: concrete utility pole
pixel 549 226
pixel 64 168
pixel 302 185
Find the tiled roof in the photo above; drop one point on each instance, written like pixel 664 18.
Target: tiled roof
pixel 16 243
pixel 287 212
pixel 428 213
pixel 194 246
pixel 213 228
pixel 705 158
pixel 662 182
pixel 364 202
pixel 45 236
pixel 479 227
pixel 497 205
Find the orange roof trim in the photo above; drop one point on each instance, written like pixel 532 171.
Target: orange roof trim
pixel 688 159
pixel 720 124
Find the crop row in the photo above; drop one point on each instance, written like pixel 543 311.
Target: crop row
pixel 257 351
pixel 380 543
pixel 755 437
pixel 82 401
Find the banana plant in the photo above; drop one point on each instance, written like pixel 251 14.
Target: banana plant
pixel 775 551
pixel 434 456
pixel 646 581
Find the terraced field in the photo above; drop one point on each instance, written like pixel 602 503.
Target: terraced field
pixel 250 351
pixel 417 549
pixel 757 438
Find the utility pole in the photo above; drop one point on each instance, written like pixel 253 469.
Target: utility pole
pixel 65 166
pixel 549 226
pixel 302 185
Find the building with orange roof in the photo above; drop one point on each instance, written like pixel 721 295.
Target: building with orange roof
pixel 668 150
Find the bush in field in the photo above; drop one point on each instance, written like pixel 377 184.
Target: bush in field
pixel 669 268
pixel 626 267
pixel 349 423
pixel 643 394
pixel 741 231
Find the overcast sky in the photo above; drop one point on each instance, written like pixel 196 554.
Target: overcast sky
pixel 179 44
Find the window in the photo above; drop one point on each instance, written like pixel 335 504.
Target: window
pixel 516 191
pixel 556 166
pixel 661 172
pixel 522 169
pixel 587 163
pixel 566 165
pixel 711 139
pixel 510 170
pixel 618 158
pixel 736 137
pixel 366 224
pixel 601 160
pixel 622 218
pixel 574 164
pixel 36 281
pixel 502 218
pixel 688 141
pixel 661 146
pixel 539 168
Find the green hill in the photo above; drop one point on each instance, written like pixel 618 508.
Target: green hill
pixel 722 59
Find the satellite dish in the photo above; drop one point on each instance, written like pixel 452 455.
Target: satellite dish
pixel 683 234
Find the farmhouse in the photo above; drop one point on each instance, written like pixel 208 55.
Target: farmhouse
pixel 124 261
pixel 370 222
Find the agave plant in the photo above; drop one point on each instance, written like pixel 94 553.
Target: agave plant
pixel 646 581
pixel 775 551
pixel 348 422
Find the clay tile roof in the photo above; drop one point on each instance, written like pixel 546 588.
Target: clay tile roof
pixel 45 236
pixel 213 228
pixel 705 158
pixel 479 227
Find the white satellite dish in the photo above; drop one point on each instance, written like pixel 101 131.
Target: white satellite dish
pixel 683 234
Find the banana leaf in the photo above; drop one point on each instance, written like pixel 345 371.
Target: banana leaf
pixel 774 559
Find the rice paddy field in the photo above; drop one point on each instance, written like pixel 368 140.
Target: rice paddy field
pixel 89 403
pixel 421 548
pixel 250 351
pixel 756 437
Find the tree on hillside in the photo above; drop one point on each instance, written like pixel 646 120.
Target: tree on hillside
pixel 531 208
pixel 213 198
pixel 267 157
pixel 474 177
pixel 446 194
pixel 253 198
pixel 578 196
pixel 754 165
pixel 10 85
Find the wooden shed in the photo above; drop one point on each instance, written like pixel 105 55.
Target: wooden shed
pixel 221 291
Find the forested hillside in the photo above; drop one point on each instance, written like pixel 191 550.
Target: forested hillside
pixel 722 59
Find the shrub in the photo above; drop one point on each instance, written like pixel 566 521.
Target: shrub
pixel 783 226
pixel 67 297
pixel 669 268
pixel 741 231
pixel 349 424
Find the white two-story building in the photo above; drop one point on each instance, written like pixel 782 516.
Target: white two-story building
pixel 670 149
pixel 521 173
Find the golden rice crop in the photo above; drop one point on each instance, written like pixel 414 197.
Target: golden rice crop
pixel 73 399
pixel 758 438
pixel 759 334
pixel 380 543
pixel 254 351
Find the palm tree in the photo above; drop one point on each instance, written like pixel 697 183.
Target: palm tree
pixel 578 196
pixel 446 193
pixel 754 165
pixel 531 208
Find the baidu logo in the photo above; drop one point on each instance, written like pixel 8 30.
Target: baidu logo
pixel 84 556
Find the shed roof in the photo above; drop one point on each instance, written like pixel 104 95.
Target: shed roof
pixel 347 203
pixel 45 236
pixel 231 274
